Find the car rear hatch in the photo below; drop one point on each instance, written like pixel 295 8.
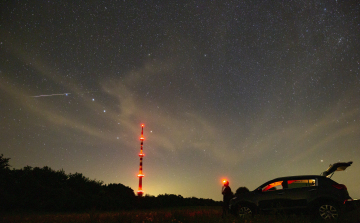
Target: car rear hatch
pixel 336 167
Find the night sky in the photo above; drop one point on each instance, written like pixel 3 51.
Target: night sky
pixel 243 90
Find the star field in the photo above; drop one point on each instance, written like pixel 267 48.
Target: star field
pixel 247 90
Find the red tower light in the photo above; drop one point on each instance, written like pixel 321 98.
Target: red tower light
pixel 140 192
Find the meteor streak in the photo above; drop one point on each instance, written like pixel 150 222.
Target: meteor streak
pixel 49 95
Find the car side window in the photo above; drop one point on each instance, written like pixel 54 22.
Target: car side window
pixel 277 185
pixel 301 183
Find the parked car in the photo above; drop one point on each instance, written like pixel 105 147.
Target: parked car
pixel 317 193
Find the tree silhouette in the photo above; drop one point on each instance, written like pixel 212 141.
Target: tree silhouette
pixel 4 162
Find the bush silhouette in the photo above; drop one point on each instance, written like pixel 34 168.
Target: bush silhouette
pixel 242 190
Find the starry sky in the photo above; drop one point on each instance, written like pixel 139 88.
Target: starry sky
pixel 243 90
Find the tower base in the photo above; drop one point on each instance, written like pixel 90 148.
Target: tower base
pixel 140 193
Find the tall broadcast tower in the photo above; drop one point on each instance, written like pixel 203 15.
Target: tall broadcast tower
pixel 141 155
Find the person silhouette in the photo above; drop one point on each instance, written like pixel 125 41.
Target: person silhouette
pixel 227 195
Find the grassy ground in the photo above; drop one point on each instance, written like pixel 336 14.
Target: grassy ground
pixel 175 215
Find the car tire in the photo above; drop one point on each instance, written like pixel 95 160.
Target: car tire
pixel 245 211
pixel 328 211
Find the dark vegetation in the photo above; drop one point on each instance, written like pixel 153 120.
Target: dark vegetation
pixel 171 200
pixel 44 189
pixel 242 190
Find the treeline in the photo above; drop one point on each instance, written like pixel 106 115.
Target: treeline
pixel 44 189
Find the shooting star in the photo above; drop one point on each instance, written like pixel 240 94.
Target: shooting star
pixel 49 95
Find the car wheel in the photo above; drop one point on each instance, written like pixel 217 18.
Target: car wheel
pixel 245 211
pixel 328 211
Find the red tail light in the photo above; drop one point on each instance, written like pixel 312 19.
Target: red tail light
pixel 340 186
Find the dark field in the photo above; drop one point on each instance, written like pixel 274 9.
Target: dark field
pixel 190 214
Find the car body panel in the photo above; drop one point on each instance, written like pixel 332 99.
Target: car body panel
pixel 301 191
pixel 270 200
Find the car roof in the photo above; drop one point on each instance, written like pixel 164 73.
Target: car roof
pixel 297 177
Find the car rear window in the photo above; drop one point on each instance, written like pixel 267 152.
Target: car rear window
pixel 301 183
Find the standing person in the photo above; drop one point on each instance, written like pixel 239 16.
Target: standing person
pixel 227 195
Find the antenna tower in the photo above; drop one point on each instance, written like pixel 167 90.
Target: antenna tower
pixel 140 192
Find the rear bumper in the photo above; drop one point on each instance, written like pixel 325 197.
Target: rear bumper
pixel 352 205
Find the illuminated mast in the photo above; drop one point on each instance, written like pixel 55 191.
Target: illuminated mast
pixel 141 155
